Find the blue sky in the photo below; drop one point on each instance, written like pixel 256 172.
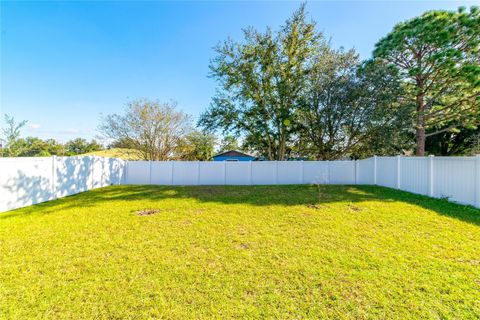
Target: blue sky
pixel 64 64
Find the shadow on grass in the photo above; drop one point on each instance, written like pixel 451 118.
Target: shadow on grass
pixel 284 195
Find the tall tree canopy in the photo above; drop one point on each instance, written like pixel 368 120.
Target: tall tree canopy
pixel 350 109
pixel 438 58
pixel 260 84
pixel 289 95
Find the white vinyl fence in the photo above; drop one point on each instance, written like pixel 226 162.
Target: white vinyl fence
pixel 25 181
pixel 454 178
pixel 239 173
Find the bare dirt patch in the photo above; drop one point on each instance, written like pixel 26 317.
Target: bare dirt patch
pixel 354 208
pixel 147 212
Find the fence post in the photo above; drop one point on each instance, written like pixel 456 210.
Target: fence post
pixel 398 172
pixel 328 171
pixel 54 177
pixel 303 172
pixel 276 172
pixel 251 178
pixel 120 177
pixel 375 170
pixel 198 173
pixel 104 173
pixel 356 171
pixel 430 175
pixel 92 171
pixel 224 173
pixel 150 172
pixel 125 172
pixel 101 172
pixel 477 181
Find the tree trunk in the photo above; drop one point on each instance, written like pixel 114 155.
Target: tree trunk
pixel 420 135
pixel 281 151
pixel 420 127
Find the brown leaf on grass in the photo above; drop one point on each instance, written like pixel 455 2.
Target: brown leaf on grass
pixel 243 246
pixel 241 231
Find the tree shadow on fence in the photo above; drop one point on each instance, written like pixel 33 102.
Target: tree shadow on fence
pixel 73 176
pixel 35 183
pixel 24 190
pixel 284 195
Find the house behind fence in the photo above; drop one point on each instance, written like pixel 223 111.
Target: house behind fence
pixel 26 181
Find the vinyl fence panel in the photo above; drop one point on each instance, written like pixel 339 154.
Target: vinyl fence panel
pixel 138 172
pixel 238 172
pixel 387 171
pixel 186 173
pixel 114 170
pixel 290 172
pixel 264 172
pixel 453 179
pixel 212 173
pixel 78 167
pixel 366 168
pixel 162 172
pixel 25 181
pixel 315 172
pixel 97 172
pixel 342 172
pixel 414 175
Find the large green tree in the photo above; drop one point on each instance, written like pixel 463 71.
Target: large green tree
pixel 81 146
pixel 437 55
pixel 350 109
pixel 260 83
pixel 228 143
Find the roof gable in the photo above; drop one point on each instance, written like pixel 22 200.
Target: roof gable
pixel 233 153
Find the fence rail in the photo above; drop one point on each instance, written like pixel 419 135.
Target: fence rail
pixel 26 181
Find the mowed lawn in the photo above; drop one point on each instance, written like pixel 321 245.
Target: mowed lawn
pixel 348 252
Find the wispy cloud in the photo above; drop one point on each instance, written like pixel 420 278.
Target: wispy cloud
pixel 69 132
pixel 34 126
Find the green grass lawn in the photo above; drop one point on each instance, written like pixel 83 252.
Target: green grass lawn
pixel 244 252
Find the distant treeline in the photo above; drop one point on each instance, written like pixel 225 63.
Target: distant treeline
pixel 36 147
